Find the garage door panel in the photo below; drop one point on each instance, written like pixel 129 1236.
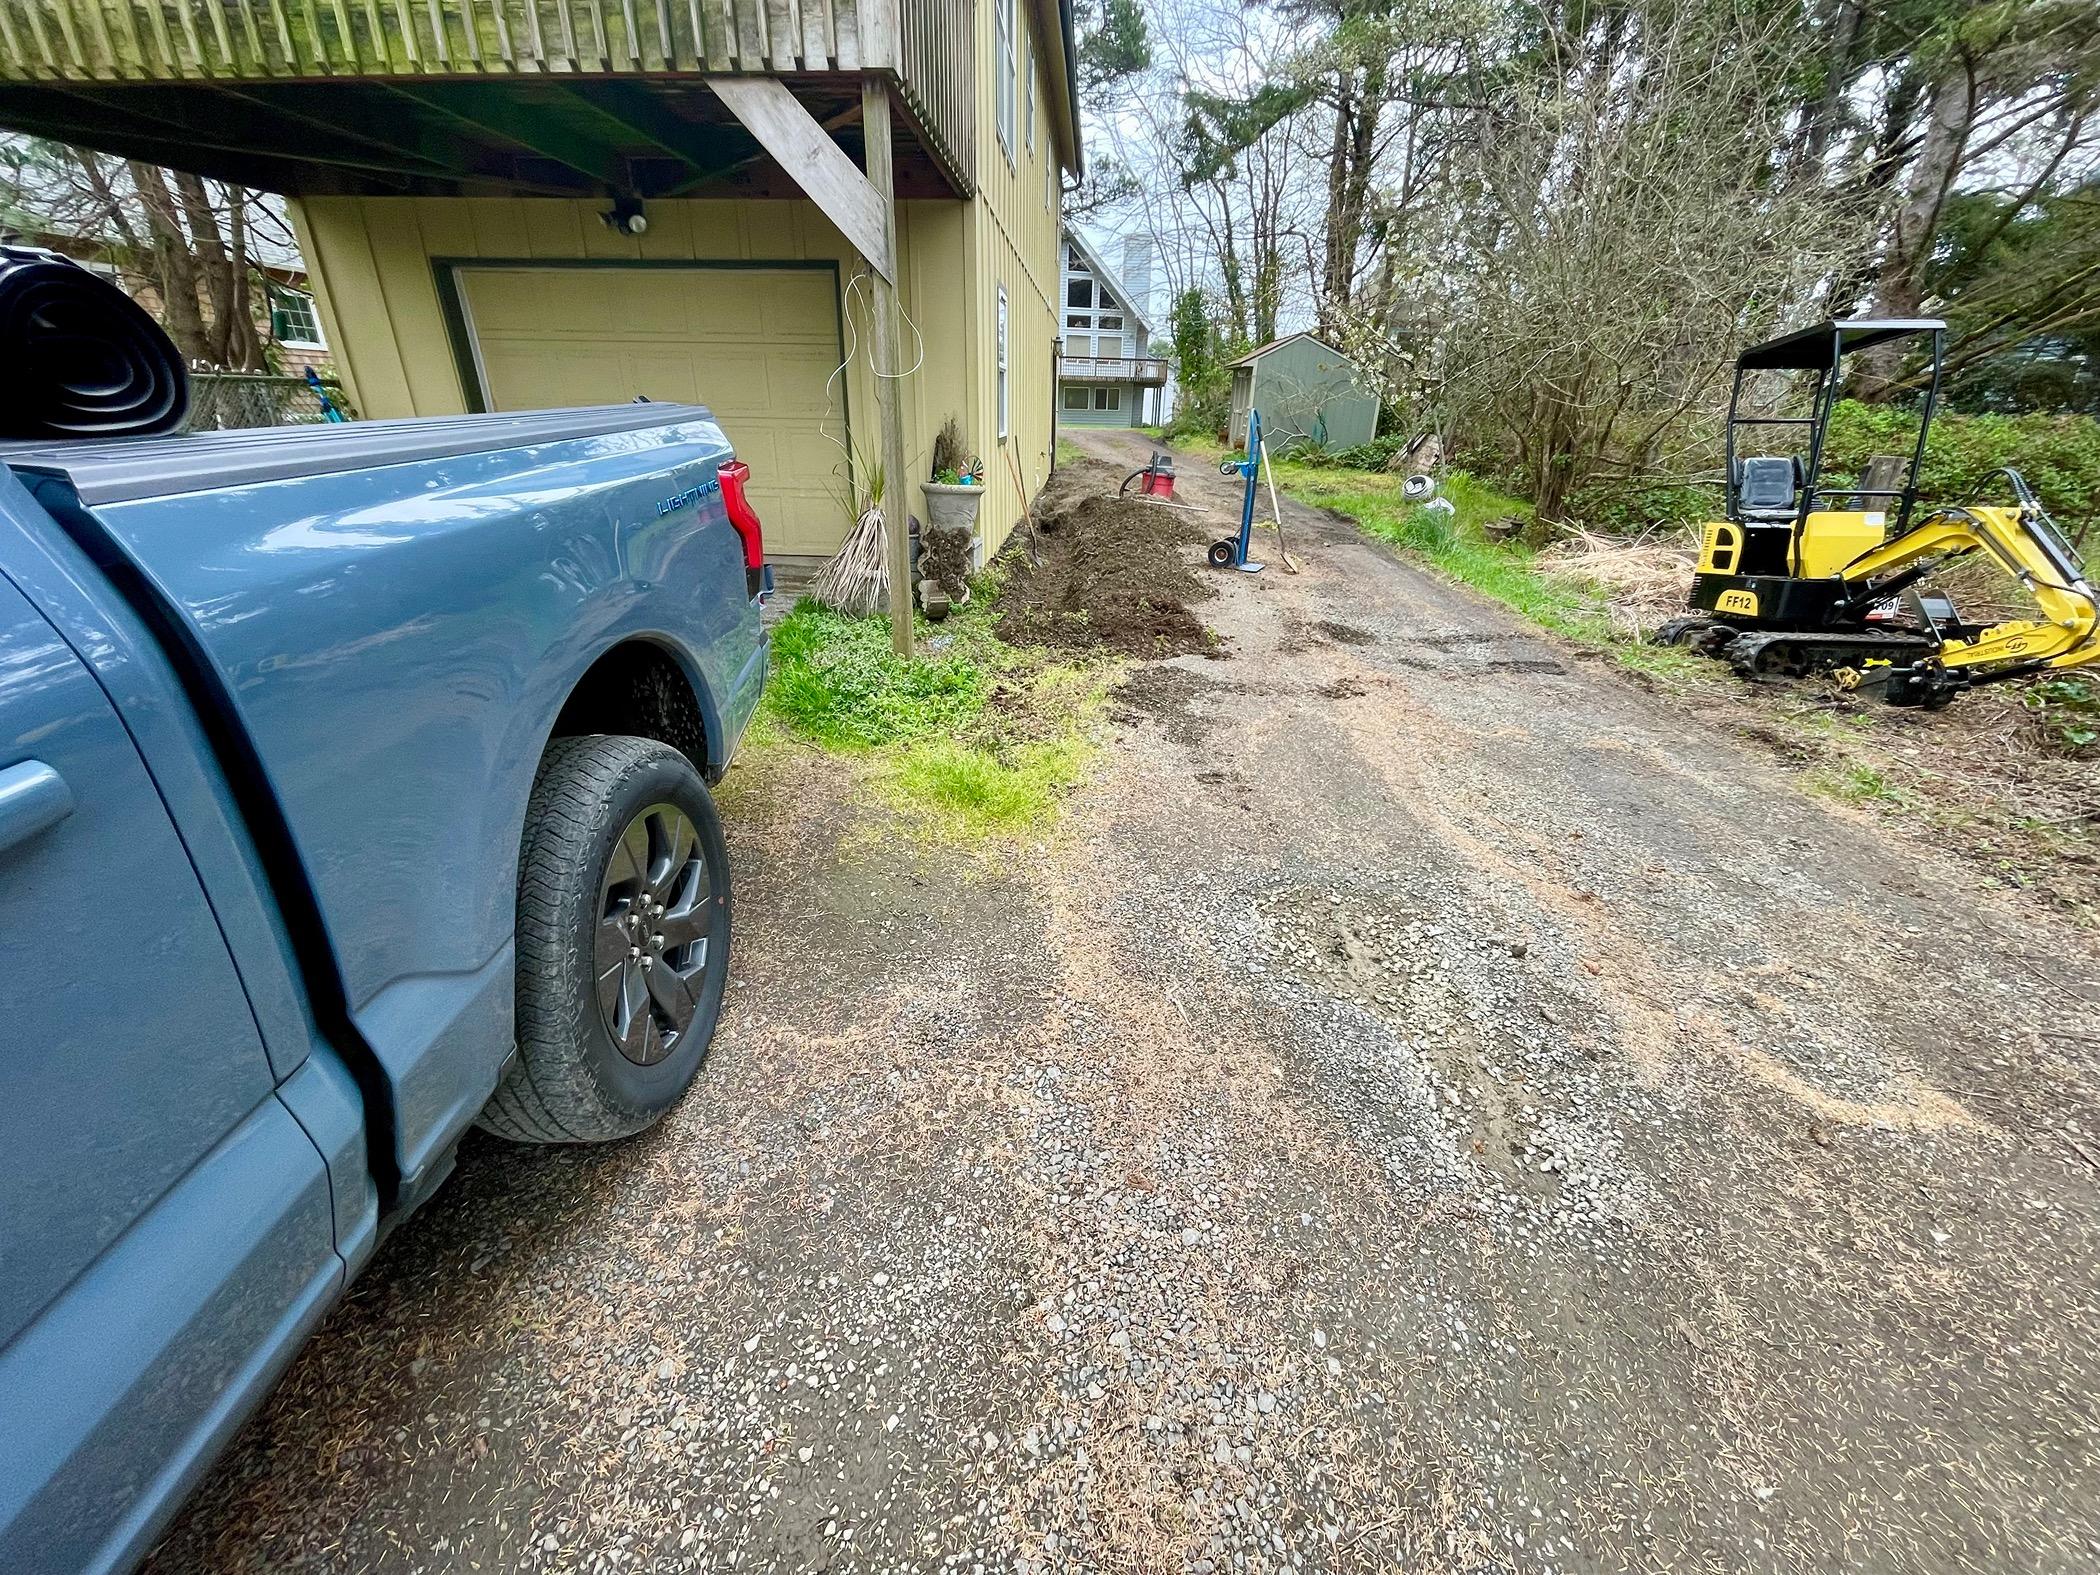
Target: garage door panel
pixel 507 300
pixel 742 376
pixel 804 450
pixel 665 375
pixel 729 303
pixel 756 446
pixel 652 301
pixel 810 367
pixel 755 345
pixel 801 309
pixel 537 380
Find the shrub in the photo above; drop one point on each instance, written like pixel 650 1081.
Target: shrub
pixel 2066 711
pixel 1631 507
pixel 2059 456
pixel 1374 455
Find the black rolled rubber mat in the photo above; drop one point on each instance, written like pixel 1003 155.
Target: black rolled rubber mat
pixel 78 357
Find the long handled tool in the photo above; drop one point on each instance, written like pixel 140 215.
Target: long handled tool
pixel 1283 551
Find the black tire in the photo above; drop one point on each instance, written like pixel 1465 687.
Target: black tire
pixel 571 1081
pixel 1224 554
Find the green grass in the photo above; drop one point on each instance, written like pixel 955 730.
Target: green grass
pixel 836 681
pixel 1068 452
pixel 981 737
pixel 976 789
pixel 1860 784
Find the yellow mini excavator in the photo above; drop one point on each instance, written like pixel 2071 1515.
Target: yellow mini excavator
pixel 1809 575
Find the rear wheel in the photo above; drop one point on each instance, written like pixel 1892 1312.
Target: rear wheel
pixel 623 942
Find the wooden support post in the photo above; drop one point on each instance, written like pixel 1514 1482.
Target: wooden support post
pixel 887 357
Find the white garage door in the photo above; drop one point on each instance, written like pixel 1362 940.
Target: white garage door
pixel 754 345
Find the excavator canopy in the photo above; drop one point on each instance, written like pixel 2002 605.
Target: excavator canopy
pixel 1816 348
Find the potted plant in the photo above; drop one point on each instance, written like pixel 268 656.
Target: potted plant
pixel 948 543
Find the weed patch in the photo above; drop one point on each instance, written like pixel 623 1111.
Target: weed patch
pixel 982 736
pixel 1860 784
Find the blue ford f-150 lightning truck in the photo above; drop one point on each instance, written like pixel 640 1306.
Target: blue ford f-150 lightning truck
pixel 353 788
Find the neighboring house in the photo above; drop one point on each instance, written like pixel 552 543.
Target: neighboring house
pixel 295 326
pixel 1306 391
pixel 506 205
pixel 1105 378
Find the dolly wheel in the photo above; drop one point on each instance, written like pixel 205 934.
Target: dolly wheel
pixel 1224 554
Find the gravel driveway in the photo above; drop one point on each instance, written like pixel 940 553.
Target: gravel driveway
pixel 1433 1106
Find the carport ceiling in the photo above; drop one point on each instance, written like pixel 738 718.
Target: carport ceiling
pixel 417 137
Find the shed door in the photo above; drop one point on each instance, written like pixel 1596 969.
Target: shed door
pixel 754 345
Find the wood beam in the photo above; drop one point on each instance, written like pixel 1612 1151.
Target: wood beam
pixel 497 110
pixel 889 394
pixel 414 145
pixel 634 110
pixel 706 174
pixel 64 115
pixel 818 165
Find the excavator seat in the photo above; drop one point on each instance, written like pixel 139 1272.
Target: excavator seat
pixel 1768 489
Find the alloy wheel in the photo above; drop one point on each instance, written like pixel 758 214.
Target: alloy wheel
pixel 655 918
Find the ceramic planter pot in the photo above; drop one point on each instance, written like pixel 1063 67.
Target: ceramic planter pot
pixel 952 507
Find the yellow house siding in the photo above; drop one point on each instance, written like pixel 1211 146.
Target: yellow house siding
pixel 1014 243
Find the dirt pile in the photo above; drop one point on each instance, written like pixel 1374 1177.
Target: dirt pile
pixel 1112 573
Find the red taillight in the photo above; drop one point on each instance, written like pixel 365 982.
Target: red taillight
pixel 734 476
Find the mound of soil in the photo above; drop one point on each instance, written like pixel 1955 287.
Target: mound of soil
pixel 1113 573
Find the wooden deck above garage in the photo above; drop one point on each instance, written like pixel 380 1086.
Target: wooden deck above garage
pixel 456 97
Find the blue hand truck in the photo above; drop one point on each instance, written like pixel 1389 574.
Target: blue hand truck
pixel 1231 553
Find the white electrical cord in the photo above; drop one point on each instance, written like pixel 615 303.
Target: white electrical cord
pixel 858 285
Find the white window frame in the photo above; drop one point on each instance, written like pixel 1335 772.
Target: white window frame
pixel 1002 364
pixel 1076 397
pixel 1029 126
pixel 1108 398
pixel 313 308
pixel 1003 71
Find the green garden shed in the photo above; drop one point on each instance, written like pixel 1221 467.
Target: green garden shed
pixel 1306 391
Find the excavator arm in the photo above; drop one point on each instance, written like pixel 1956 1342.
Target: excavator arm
pixel 2026 543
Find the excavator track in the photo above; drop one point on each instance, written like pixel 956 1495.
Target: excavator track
pixel 1795 653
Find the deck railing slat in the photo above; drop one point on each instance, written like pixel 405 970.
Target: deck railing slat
pixel 105 62
pixel 71 35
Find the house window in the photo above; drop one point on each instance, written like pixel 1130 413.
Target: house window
pixel 1002 363
pixel 1077 320
pixel 1079 292
pixel 1075 399
pixel 1073 259
pixel 1110 322
pixel 1003 72
pixel 1108 399
pixel 293 320
pixel 1108 302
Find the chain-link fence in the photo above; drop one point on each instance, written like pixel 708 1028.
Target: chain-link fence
pixel 223 401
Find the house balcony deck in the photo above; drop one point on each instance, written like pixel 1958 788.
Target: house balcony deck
pixel 1146 370
pixel 461 97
